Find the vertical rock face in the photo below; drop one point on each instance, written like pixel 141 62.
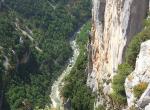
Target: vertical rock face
pixel 139 75
pixel 96 41
pixel 115 22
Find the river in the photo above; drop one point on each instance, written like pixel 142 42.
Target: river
pixel 56 99
pixel 55 93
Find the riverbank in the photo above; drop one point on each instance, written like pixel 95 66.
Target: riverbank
pixel 77 62
pixel 57 100
pixel 75 88
pixel 55 92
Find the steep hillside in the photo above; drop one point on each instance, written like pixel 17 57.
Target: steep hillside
pixel 41 66
pixel 75 88
pixel 34 48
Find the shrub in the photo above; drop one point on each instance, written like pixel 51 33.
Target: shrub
pixel 100 107
pixel 75 86
pixel 118 99
pixel 139 89
pixel 118 94
pixel 126 68
pixel 134 46
pixel 133 108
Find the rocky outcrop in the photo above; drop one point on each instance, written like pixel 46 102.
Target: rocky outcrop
pixel 114 23
pixel 140 74
pixel 96 42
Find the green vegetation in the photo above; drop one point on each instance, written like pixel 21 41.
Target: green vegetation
pixel 75 83
pixel 133 108
pixel 134 46
pixel 100 107
pixel 35 64
pixel 82 38
pixel 139 89
pixel 119 96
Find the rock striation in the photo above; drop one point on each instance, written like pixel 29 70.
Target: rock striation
pixel 114 23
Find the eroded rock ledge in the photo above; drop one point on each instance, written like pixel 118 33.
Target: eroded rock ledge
pixel 139 75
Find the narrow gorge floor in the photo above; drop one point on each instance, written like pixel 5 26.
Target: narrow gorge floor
pixel 57 103
pixel 55 93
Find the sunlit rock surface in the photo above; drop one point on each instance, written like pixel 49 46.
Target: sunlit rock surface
pixel 140 74
pixel 114 24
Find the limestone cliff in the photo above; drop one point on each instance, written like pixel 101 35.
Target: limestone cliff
pixel 115 22
pixel 139 75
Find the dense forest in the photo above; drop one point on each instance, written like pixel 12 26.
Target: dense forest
pixel 75 83
pixel 34 46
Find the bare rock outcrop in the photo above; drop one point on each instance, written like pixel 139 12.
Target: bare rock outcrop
pixel 139 75
pixel 114 23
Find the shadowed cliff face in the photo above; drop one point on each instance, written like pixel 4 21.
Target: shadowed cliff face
pixel 115 22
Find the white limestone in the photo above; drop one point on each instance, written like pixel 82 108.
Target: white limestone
pixel 111 32
pixel 147 107
pixel 6 63
pixel 109 39
pixel 140 74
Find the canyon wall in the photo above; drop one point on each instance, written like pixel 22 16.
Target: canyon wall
pixel 141 77
pixel 114 23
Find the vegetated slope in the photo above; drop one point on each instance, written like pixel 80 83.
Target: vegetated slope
pixel 34 47
pixel 119 96
pixel 75 83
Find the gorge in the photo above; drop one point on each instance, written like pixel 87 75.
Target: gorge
pixel 104 66
pixel 57 101
pixel 35 48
